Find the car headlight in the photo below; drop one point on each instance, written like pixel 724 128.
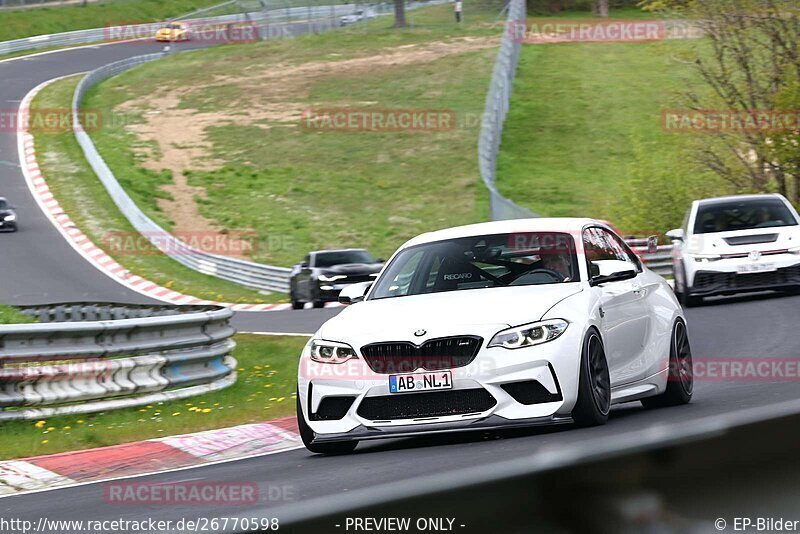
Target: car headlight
pixel 331 351
pixel 324 278
pixel 705 258
pixel 529 335
pixel 11 217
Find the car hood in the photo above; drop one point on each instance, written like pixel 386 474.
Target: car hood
pixel 353 268
pixel 743 241
pixel 3 213
pixel 445 313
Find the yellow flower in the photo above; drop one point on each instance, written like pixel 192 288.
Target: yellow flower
pixel 51 428
pixel 67 427
pixel 281 399
pixel 176 413
pixel 40 424
pixel 206 410
pixel 80 421
pixel 45 441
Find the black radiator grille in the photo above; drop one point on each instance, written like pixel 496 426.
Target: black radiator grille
pixel 431 404
pixel 434 355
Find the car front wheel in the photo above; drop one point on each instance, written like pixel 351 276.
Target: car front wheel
pixel 594 383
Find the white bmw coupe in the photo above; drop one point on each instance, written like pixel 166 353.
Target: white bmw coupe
pixel 494 325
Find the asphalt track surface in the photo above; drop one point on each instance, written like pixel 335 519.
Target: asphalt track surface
pixel 37 266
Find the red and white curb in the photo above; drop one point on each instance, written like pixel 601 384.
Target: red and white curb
pixel 82 244
pixel 153 456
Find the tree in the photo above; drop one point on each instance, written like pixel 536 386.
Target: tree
pixel 600 8
pixel 750 70
pixel 400 14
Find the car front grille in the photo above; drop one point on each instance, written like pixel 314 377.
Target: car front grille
pixel 751 239
pixel 421 405
pixel 433 355
pixel 705 280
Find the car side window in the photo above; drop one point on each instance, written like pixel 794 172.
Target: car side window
pixel 600 245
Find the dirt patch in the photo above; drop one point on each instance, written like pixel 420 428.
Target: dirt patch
pixel 272 95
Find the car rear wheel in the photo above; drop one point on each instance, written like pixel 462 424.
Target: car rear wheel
pixel 594 384
pixel 307 435
pixel 297 304
pixel 319 303
pixel 680 381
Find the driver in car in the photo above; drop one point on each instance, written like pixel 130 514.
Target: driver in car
pixel 557 262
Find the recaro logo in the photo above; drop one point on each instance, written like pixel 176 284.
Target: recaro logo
pixel 457 276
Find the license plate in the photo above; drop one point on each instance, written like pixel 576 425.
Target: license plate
pixel 756 268
pixel 420 382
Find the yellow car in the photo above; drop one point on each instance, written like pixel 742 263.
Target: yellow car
pixel 172 32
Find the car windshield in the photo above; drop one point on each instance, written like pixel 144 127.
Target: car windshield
pixel 340 257
pixel 3 204
pixel 742 215
pixel 174 27
pixel 518 259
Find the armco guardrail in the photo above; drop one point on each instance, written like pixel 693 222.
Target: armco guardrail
pixel 246 273
pixel 497 103
pixel 85 357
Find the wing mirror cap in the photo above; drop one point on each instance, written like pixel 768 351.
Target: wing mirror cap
pixel 354 293
pixel 677 234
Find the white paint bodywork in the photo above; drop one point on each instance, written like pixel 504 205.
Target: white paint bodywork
pixel 635 324
pixel 685 252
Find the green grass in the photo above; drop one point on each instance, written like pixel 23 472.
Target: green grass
pixel 582 114
pixel 17 24
pixel 264 390
pixel 11 315
pixel 85 199
pixel 300 189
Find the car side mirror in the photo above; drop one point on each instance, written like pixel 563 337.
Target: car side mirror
pixel 652 244
pixel 604 271
pixel 380 260
pixel 304 265
pixel 354 293
pixel 677 235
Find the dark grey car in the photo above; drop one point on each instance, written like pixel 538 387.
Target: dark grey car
pixel 324 273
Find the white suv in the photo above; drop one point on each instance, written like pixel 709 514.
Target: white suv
pixel 736 244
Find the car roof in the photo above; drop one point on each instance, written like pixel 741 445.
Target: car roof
pixel 737 198
pixel 571 225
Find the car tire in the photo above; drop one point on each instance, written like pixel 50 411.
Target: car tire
pixel 318 303
pixel 594 383
pixel 680 381
pixel 296 304
pixel 307 435
pixel 685 297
